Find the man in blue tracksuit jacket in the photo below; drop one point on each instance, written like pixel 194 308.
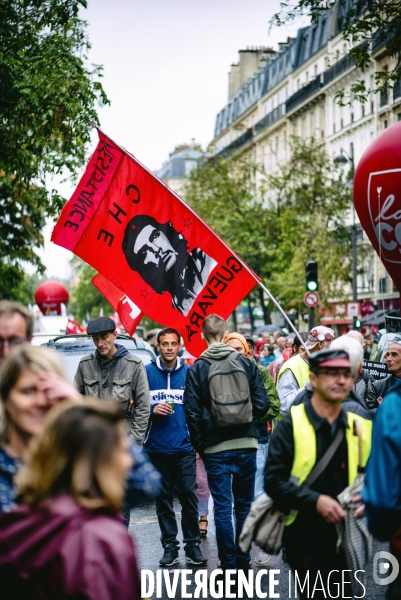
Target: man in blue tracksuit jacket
pixel 168 446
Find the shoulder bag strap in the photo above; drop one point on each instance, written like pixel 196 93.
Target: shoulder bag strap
pixel 326 458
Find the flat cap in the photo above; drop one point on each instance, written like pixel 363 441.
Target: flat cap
pixel 101 325
pixel 337 359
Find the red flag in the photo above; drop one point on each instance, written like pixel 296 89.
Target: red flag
pixel 73 327
pixel 130 314
pixel 146 240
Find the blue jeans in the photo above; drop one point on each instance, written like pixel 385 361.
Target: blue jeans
pixel 261 456
pixel 231 478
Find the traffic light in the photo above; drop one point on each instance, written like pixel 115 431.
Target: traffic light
pixel 311 276
pixel 356 323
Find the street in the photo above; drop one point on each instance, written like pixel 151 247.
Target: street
pixel 145 532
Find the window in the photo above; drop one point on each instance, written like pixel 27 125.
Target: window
pixel 385 123
pixel 352 117
pixel 363 110
pixel 372 106
pixel 275 150
pixel 315 71
pixel 397 89
pixel 383 96
pixel 383 285
pixel 307 77
pixel 398 116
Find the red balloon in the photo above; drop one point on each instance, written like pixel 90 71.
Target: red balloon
pixel 50 295
pixel 377 198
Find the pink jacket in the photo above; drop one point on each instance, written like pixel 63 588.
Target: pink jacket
pixel 62 550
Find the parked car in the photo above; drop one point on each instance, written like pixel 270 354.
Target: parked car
pixel 73 347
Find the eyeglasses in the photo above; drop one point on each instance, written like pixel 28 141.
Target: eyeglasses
pixel 327 336
pixel 13 341
pixel 336 373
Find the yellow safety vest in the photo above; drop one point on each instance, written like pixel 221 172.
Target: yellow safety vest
pixel 299 368
pixel 305 447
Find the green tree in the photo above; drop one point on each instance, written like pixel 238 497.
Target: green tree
pixel 312 200
pixel 48 99
pixel 365 24
pixel 228 195
pixel 25 291
pixel 294 215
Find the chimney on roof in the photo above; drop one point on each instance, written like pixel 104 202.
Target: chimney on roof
pixel 250 61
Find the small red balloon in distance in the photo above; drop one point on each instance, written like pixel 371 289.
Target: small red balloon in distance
pixel 377 198
pixel 50 295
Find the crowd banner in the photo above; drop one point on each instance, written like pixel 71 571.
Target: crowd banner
pixel 129 313
pixel 146 240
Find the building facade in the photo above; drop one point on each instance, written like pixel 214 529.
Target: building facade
pixel 176 169
pixel 293 92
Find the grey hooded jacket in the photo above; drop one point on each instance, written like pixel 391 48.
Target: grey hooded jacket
pixel 122 377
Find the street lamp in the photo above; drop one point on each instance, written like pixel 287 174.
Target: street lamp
pixel 343 159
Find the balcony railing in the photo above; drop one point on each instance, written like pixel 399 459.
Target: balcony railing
pixel 295 100
pixel 380 39
pixel 342 65
pixel 270 118
pixel 237 143
pixel 303 94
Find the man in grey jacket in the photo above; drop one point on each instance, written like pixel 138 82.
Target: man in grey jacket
pixel 113 372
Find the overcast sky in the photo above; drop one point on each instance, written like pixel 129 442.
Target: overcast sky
pixel 166 66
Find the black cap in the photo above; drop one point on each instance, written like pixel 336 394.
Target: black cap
pixel 101 325
pixel 336 359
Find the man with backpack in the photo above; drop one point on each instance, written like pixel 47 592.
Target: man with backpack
pixel 223 400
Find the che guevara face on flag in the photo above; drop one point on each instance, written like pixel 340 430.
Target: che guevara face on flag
pixel 151 245
pixel 160 255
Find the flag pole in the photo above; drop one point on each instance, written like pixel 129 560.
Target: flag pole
pixel 292 326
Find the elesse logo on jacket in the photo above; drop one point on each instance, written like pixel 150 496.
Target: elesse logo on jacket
pixel 157 396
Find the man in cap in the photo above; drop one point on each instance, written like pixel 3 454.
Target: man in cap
pixel 112 371
pixel 300 440
pixel 294 374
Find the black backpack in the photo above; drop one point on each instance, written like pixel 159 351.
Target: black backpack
pixel 229 391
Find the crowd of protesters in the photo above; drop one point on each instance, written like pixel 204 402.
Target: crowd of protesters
pixel 72 468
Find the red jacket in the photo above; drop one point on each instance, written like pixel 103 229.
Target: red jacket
pixel 62 550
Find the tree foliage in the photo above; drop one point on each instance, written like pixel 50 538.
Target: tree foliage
pixel 278 222
pixel 85 297
pixel 365 24
pixel 25 291
pixel 48 99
